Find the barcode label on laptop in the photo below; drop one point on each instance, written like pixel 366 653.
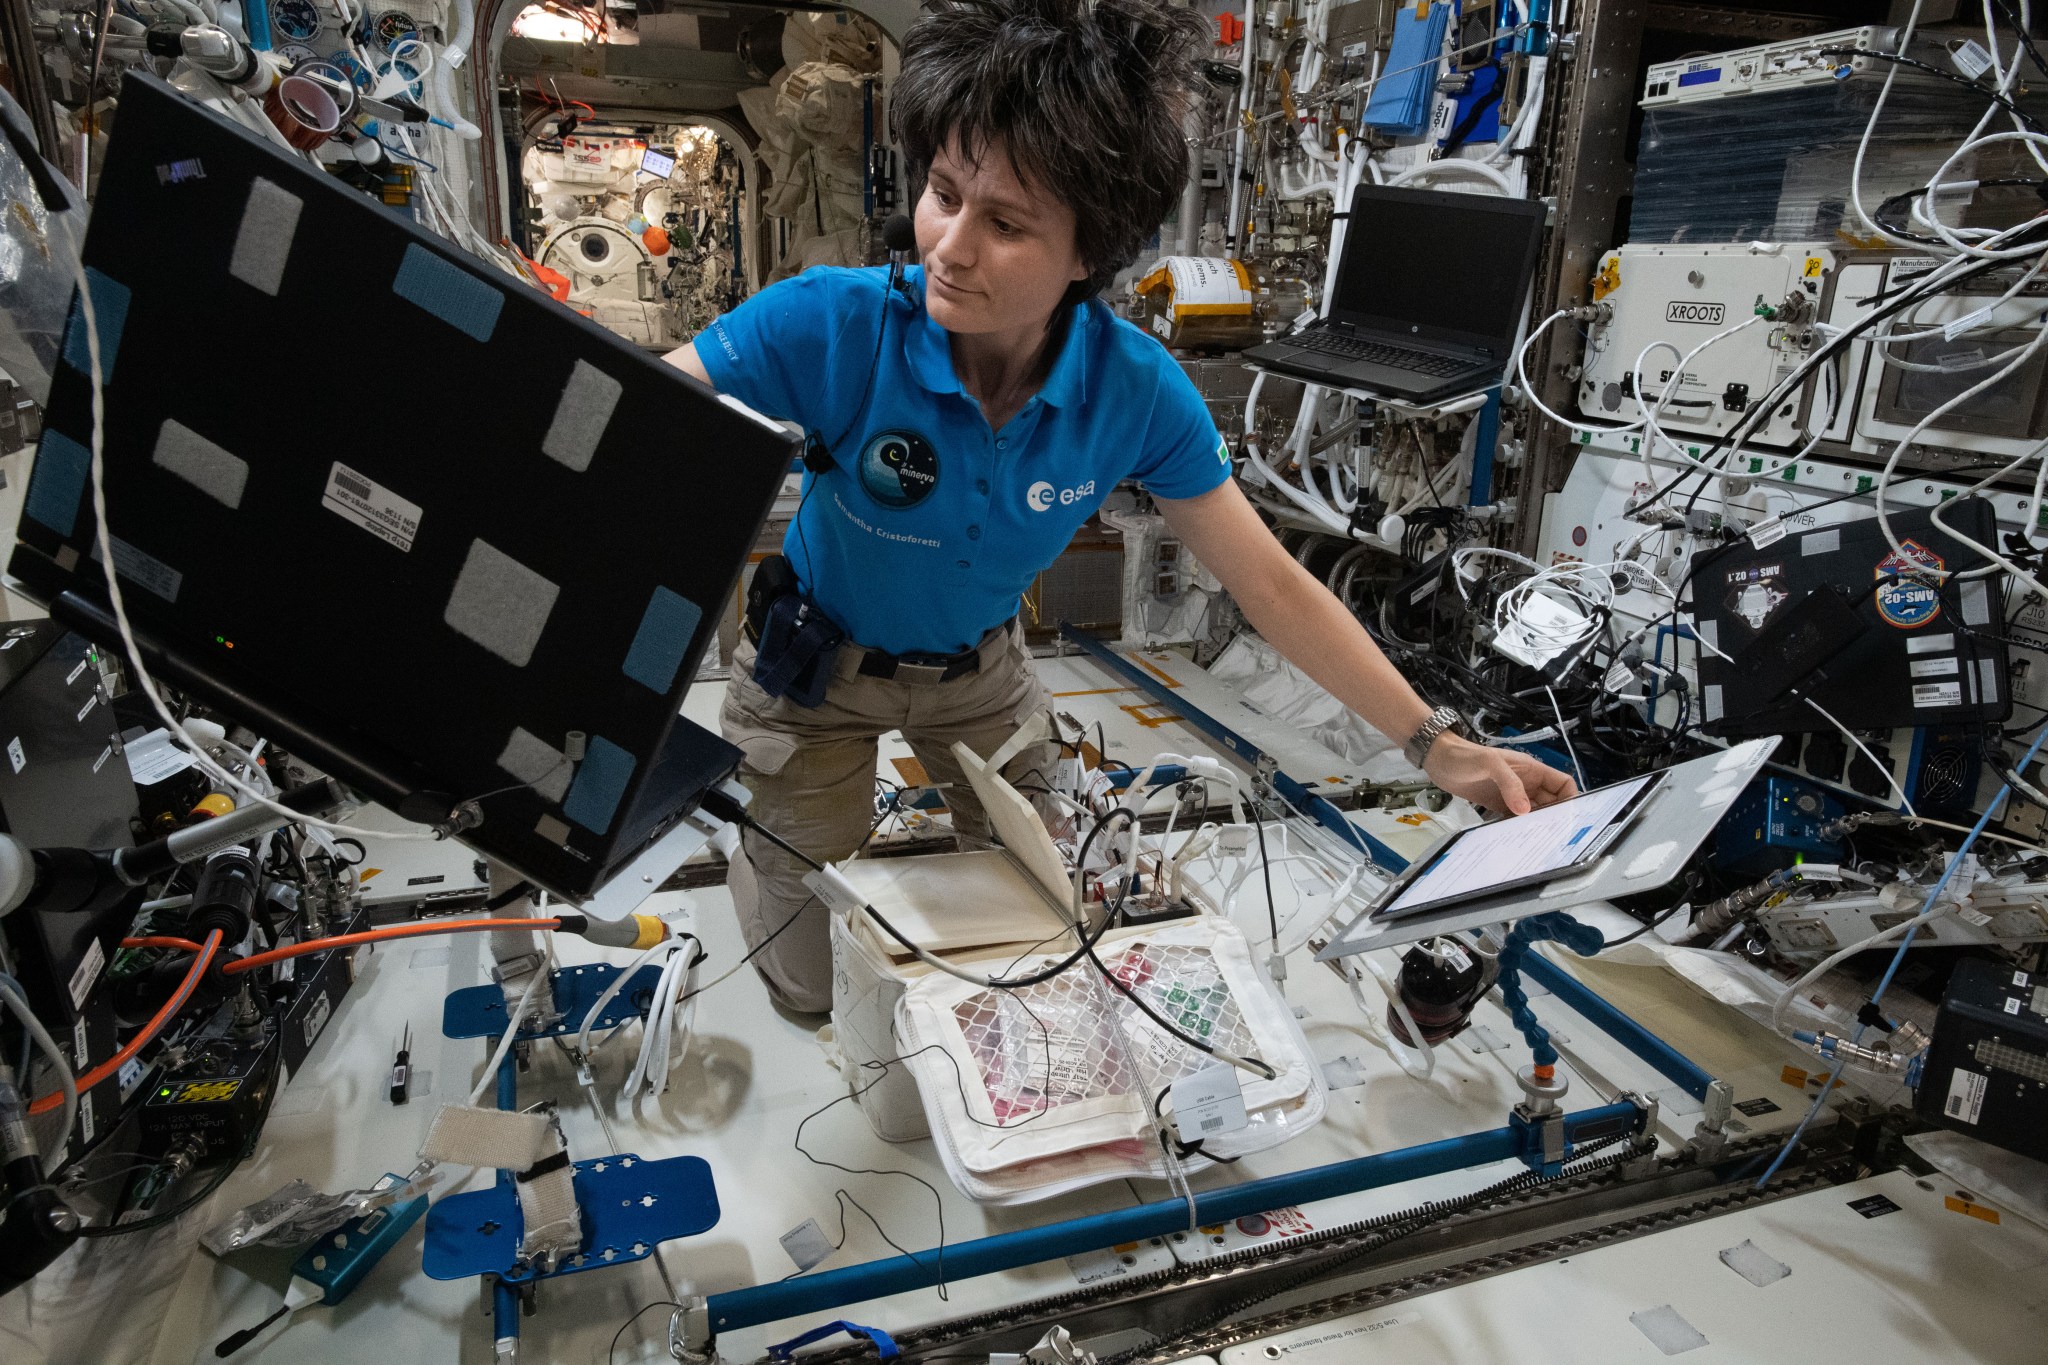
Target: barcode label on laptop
pixel 371 506
pixel 1938 694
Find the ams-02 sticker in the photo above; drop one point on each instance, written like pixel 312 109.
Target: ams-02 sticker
pixel 1904 599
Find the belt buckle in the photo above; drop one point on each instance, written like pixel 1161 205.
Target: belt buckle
pixel 920 673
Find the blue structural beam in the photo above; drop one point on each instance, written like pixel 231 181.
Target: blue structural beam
pixel 1316 808
pixel 1668 1061
pixel 505 1299
pixel 832 1289
pixel 1484 442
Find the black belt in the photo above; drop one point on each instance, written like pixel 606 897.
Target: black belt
pixel 878 663
pixel 875 663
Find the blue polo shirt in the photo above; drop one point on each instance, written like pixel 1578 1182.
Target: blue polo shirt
pixel 932 525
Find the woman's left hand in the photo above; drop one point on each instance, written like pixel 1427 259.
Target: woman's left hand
pixel 1496 779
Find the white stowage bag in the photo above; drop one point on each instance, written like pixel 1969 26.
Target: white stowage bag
pixel 1053 1087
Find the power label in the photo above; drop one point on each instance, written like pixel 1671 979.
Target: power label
pixel 370 505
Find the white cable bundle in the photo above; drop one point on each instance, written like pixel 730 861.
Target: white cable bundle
pixel 666 1039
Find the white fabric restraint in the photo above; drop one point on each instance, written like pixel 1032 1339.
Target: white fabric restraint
pixel 530 1145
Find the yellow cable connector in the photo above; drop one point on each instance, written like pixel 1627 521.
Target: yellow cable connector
pixel 652 931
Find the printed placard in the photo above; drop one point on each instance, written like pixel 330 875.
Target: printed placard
pixel 362 500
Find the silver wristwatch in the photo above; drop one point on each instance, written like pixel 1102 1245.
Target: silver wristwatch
pixel 1426 734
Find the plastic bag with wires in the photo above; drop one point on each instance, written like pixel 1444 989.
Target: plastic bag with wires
pixel 41 229
pixel 1054 1087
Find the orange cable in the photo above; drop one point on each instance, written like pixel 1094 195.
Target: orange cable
pixel 321 945
pixel 149 1030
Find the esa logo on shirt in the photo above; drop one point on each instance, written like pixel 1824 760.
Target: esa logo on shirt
pixel 1042 495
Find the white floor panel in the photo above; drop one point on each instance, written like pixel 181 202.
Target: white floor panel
pixel 1922 1282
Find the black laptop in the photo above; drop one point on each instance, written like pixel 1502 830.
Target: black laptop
pixel 393 508
pixel 1428 296
pixel 1881 639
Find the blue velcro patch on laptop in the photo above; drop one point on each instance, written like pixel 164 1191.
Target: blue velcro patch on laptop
pixel 109 315
pixel 57 482
pixel 600 784
pixel 662 640
pixel 449 292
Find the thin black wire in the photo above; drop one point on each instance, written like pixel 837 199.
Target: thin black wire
pixel 611 1355
pixel 938 1202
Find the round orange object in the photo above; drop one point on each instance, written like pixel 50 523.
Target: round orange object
pixel 656 241
pixel 213 804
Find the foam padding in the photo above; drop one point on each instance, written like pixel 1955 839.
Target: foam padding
pixel 447 291
pixel 600 785
pixel 537 763
pixel 218 473
pixel 581 417
pixel 57 482
pixel 500 603
pixel 264 241
pixel 109 314
pixel 659 646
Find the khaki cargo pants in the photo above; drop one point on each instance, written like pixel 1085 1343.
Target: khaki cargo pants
pixel 812 774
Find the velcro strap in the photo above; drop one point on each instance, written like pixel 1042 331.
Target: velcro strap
pixel 500 1138
pixel 547 1165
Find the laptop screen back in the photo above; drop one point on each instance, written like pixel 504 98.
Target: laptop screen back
pixel 1437 262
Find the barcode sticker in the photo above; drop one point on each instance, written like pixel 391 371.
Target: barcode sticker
pixel 1938 694
pixel 1766 533
pixel 1970 58
pixel 370 505
pixel 1965 1096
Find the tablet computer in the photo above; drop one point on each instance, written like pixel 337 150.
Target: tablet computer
pixel 1524 850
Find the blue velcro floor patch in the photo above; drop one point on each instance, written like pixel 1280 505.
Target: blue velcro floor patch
pixel 600 783
pixel 109 315
pixel 447 291
pixel 666 630
pixel 57 482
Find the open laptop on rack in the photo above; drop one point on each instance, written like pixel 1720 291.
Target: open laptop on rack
pixel 494 605
pixel 1428 296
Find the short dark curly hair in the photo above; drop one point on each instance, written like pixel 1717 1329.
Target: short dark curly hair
pixel 1087 98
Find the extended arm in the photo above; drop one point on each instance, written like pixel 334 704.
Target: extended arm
pixel 1301 618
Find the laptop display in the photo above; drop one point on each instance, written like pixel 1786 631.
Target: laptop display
pixel 392 507
pixel 1438 261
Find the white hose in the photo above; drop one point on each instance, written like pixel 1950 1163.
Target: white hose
pixel 617 984
pixel 441 81
pixel 666 1040
pixel 460 32
pixel 65 1080
pixel 1523 129
pixel 1422 1070
pixel 518 1014
pixel 1456 166
pixel 1245 67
